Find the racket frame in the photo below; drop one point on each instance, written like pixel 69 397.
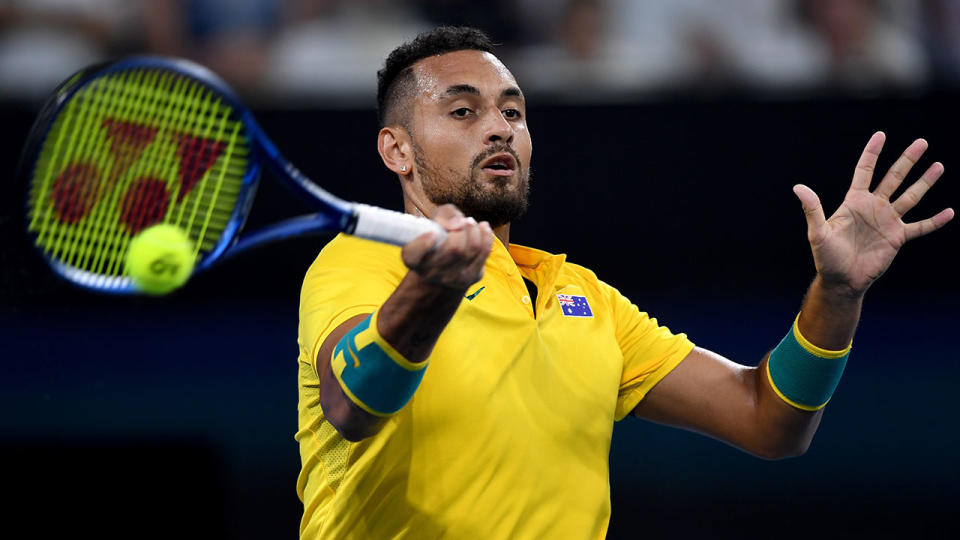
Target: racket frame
pixel 262 150
pixel 333 214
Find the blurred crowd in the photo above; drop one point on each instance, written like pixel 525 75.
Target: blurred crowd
pixel 327 51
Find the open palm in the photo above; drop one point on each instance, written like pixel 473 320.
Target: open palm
pixel 858 242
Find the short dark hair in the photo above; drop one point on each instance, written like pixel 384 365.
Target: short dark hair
pixel 395 82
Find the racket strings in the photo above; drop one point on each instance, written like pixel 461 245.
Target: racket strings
pixel 129 150
pixel 126 141
pixel 201 151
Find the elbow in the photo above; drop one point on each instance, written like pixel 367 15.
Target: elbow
pixel 350 425
pixel 783 449
pixel 779 454
pixel 352 433
pixel 351 422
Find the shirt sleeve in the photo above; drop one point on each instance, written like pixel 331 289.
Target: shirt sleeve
pixel 350 277
pixel 650 352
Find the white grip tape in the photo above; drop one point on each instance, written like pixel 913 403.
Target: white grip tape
pixel 392 227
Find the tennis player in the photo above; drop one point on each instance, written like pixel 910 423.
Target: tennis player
pixel 469 389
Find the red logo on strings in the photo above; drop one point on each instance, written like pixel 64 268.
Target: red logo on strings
pixel 80 186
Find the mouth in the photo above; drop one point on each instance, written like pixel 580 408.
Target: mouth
pixel 502 164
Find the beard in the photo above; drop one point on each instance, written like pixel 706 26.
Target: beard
pixel 496 202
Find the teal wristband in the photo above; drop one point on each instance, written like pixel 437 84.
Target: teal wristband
pixel 372 373
pixel 802 374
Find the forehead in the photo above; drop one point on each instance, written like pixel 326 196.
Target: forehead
pixel 475 68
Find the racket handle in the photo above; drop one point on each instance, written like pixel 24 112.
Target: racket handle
pixel 392 227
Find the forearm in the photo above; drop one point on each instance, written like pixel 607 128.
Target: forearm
pixel 828 319
pixel 414 316
pixel 782 430
pixel 371 366
pixel 829 316
pixel 411 320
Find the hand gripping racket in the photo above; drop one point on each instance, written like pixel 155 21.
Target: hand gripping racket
pixel 129 144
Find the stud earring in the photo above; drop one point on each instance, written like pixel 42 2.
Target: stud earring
pixel 403 168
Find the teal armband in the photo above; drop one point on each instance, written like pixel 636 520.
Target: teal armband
pixel 372 373
pixel 803 374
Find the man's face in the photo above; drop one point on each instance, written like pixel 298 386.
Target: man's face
pixel 470 138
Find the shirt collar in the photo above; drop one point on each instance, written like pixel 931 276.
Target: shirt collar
pixel 538 266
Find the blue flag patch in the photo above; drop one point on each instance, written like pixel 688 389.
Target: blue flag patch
pixel 572 305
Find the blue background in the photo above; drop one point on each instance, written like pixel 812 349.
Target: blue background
pixel 179 412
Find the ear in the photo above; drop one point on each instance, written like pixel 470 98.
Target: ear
pixel 393 143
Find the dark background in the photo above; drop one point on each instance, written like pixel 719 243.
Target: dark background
pixel 176 415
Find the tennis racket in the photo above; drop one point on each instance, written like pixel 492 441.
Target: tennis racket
pixel 125 145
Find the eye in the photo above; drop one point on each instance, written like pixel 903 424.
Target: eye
pixel 462 112
pixel 512 114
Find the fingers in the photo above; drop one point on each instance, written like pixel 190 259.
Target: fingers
pixel 927 226
pixel 913 194
pixel 812 209
pixel 895 176
pixel 863 174
pixel 459 260
pixel 478 244
pixel 417 249
pixel 906 201
pixel 450 218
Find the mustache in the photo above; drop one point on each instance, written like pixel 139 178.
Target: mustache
pixel 497 148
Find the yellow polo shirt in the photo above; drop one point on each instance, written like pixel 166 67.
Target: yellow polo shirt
pixel 509 434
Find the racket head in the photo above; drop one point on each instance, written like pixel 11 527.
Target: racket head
pixel 121 146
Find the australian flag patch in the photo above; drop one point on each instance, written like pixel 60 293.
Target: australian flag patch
pixel 572 305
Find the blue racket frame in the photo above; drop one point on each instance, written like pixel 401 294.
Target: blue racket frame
pixel 334 214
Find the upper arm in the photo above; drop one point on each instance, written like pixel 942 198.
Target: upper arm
pixel 325 351
pixel 705 392
pixel 352 422
pixel 347 282
pixel 712 395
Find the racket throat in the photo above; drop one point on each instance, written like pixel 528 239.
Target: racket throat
pixel 351 222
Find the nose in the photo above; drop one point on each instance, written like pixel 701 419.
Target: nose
pixel 498 129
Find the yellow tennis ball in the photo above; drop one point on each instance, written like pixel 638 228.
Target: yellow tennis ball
pixel 160 259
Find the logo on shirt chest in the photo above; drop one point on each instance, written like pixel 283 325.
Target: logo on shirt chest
pixel 474 295
pixel 572 305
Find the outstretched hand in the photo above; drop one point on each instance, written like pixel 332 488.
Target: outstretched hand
pixel 860 240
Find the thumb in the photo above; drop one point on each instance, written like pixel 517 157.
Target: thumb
pixel 450 217
pixel 811 207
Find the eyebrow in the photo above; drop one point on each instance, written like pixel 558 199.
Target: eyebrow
pixel 458 89
pixel 513 91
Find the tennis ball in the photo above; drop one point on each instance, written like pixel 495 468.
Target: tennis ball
pixel 159 259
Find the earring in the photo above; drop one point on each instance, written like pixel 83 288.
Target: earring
pixel 403 168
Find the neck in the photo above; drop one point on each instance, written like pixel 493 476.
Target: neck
pixel 411 207
pixel 503 234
